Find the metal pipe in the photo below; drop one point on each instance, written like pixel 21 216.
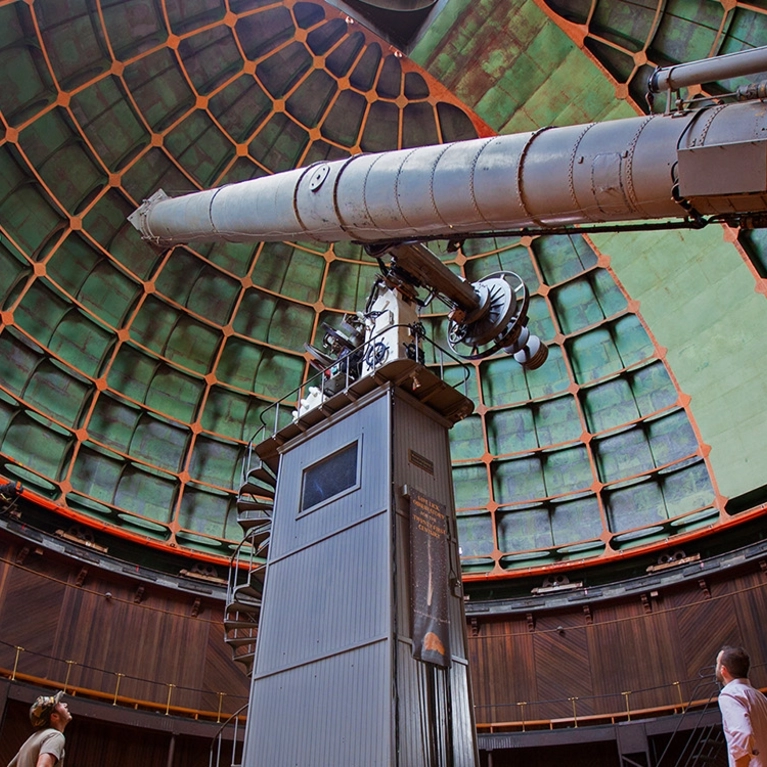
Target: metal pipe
pixel 19 650
pixel 167 705
pixel 738 64
pixel 117 688
pixel 69 663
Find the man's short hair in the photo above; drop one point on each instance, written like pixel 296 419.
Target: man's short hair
pixel 736 661
pixel 40 711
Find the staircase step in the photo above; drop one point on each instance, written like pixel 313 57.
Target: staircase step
pixel 258 534
pixel 256 581
pixel 250 588
pixel 233 625
pixel 247 661
pixel 245 657
pixel 248 504
pixel 262 474
pixel 250 519
pixel 239 641
pixel 251 488
pixel 255 538
pixel 244 605
pixel 263 549
pixel 246 590
pixel 245 617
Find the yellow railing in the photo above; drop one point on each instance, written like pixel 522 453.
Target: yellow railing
pixel 704 684
pixel 618 706
pixel 577 720
pixel 120 700
pixel 165 706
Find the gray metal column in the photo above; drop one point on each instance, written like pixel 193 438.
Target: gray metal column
pixel 335 681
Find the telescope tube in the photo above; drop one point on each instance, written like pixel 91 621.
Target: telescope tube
pixel 618 171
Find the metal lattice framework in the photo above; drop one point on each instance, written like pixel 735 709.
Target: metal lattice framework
pixel 134 379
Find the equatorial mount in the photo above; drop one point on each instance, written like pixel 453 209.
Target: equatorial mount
pixel 499 323
pixel 487 316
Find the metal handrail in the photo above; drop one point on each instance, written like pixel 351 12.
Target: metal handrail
pixel 113 697
pixel 687 754
pixel 217 740
pixel 243 560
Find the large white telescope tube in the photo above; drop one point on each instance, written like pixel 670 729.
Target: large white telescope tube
pixel 712 160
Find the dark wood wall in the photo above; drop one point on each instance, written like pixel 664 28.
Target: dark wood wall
pixel 586 654
pixel 639 644
pixel 57 609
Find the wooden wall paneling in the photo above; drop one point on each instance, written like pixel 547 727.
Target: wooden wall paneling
pixel 187 655
pixel 562 664
pixel 631 644
pixel 194 752
pixel 16 729
pixel 606 663
pixel 751 616
pixel 593 754
pixel 662 657
pixel 652 659
pixel 101 635
pixel 503 655
pixel 222 674
pixel 167 638
pixel 30 618
pixel 5 570
pixel 631 650
pixel 509 670
pixel 649 649
pixel 703 624
pixel 642 644
pixel 155 643
pixel 522 681
pixel 85 634
pixel 6 650
pixel 476 652
pixel 481 649
pixel 90 742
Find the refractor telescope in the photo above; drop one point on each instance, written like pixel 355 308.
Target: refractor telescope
pixel 702 161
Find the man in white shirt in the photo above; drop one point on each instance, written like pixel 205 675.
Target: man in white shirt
pixel 45 748
pixel 744 710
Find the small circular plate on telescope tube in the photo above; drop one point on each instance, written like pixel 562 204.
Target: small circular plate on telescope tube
pixel 318 176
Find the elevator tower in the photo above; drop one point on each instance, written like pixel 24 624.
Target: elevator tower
pixel 361 656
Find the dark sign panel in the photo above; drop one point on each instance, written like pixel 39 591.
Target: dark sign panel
pixel 429 573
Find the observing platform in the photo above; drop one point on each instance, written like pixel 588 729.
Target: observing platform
pixel 408 375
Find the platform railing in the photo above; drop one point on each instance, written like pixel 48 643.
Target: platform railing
pixel 117 688
pixel 279 413
pixel 163 704
pixel 245 559
pixel 686 696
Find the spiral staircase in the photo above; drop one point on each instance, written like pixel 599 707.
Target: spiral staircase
pixel 255 501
